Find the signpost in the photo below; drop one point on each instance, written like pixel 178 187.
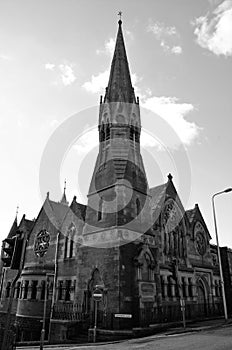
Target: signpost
pixel 97 296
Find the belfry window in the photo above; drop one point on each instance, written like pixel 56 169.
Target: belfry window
pixel 132 133
pixel 107 133
pixel 138 207
pixel 100 210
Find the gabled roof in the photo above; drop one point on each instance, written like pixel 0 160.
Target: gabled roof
pixel 13 229
pixel 26 224
pixel 59 210
pixel 78 209
pixel 195 215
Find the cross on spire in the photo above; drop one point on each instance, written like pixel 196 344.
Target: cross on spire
pixel 120 17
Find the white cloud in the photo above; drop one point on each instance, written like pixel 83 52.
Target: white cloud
pixel 97 82
pixel 108 49
pixel 160 30
pixel 49 66
pixel 174 113
pixel 65 72
pixel 214 31
pixel 177 50
pixel 167 36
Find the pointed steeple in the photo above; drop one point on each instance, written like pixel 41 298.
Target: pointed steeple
pixel 64 199
pixel 14 226
pixel 120 87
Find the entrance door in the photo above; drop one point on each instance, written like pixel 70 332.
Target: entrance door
pixel 202 307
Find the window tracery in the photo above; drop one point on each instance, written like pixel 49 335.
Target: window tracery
pixel 174 243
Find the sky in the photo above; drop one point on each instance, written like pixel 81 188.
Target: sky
pixel 55 57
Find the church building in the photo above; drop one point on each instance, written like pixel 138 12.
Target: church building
pixel 148 259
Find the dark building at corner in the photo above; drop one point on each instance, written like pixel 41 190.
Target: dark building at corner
pixel 143 250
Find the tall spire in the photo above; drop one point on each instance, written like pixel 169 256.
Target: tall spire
pixel 64 199
pixel 120 87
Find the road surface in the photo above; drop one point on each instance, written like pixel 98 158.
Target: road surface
pixel 213 339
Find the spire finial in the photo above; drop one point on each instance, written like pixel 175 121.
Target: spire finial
pixel 120 16
pixel 17 211
pixel 64 199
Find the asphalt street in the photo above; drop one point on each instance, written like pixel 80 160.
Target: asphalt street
pixel 211 339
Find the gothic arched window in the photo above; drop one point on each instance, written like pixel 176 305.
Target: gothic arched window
pixel 99 217
pixel 69 242
pixel 107 132
pixel 138 206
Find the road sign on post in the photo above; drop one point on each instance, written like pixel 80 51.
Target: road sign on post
pixel 97 296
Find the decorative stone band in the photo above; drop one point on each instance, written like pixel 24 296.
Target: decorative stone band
pixel 112 237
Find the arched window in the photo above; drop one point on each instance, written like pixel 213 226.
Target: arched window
pixel 71 247
pixel 100 210
pixel 66 247
pixel 60 290
pixel 8 289
pixel 67 290
pixel 131 133
pixel 138 207
pixel 69 242
pixel 34 289
pixel 26 285
pixel 42 295
pixel 169 291
pixel 190 287
pixel 162 286
pixel 107 132
pixel 18 290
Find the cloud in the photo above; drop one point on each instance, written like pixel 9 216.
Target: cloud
pixel 64 71
pixel 108 48
pixel 177 50
pixel 160 30
pixel 67 74
pixel 214 30
pixel 167 36
pixel 174 113
pixel 97 83
pixel 100 81
pixel 49 66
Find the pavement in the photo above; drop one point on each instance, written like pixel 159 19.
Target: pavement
pixel 192 327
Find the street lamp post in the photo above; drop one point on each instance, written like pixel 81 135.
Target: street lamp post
pixel 219 253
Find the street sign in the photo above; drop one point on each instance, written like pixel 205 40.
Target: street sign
pixel 97 294
pixel 123 315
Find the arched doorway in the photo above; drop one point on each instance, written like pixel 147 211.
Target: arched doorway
pixel 201 299
pixel 96 280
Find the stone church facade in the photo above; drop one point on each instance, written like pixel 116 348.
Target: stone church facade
pixel 149 256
